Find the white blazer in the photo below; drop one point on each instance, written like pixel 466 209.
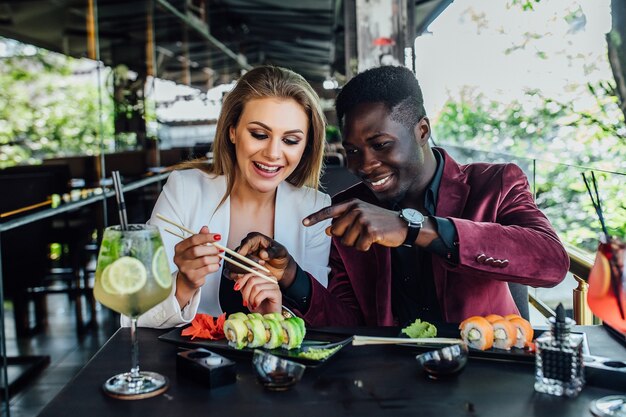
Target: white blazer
pixel 190 197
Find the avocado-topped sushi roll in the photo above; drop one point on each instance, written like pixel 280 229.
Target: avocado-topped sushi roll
pixel 493 317
pixel 239 315
pixel 274 316
pixel 273 334
pixel 292 334
pixel 257 316
pixel 300 324
pixel 256 333
pixel 236 333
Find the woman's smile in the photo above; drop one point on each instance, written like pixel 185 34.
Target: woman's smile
pixel 269 140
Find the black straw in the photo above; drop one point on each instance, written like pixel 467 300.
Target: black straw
pixel 119 196
pixel 614 267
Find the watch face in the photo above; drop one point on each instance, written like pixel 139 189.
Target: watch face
pixel 412 215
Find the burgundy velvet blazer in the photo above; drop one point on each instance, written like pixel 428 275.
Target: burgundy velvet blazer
pixel 502 237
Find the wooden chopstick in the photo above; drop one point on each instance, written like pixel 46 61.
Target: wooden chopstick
pixel 217 245
pixel 372 340
pixel 27 208
pixel 232 261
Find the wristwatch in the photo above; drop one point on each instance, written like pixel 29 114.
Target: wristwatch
pixel 415 220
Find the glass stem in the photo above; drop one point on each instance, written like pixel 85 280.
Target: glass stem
pixel 134 371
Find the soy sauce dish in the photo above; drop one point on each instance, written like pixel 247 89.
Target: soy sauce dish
pixel 276 374
pixel 444 362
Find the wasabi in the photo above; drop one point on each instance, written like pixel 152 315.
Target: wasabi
pixel 420 329
pixel 318 354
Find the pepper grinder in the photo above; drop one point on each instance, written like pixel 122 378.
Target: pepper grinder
pixel 559 358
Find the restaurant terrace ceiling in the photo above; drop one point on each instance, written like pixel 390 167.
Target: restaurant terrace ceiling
pixel 200 46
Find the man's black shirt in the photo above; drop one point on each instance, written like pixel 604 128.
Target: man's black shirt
pixel 413 293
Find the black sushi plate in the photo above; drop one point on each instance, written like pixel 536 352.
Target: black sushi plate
pixel 313 340
pixel 493 354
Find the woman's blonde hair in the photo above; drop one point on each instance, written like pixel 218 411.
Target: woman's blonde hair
pixel 264 82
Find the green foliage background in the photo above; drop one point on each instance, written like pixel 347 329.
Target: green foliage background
pixel 554 144
pixel 45 110
pixel 552 139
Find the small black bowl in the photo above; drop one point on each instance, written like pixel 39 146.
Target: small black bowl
pixel 276 374
pixel 443 362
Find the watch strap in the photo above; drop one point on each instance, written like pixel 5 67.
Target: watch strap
pixel 411 235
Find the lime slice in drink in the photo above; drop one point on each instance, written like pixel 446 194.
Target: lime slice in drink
pixel 161 268
pixel 105 281
pixel 126 275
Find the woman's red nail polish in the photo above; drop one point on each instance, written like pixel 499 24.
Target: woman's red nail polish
pixel 221 250
pixel 217 237
pixel 236 287
pixel 245 303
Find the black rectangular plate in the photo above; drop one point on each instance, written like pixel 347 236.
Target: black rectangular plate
pixel 619 336
pixel 513 355
pixel 313 339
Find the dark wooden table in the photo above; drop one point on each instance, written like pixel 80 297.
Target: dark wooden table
pixel 358 381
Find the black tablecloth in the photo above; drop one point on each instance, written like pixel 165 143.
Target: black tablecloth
pixel 359 381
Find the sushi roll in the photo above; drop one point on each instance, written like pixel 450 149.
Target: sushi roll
pixel 274 316
pixel 477 332
pixel 239 316
pixel 257 316
pixel 525 333
pixel 292 334
pixel 493 317
pixel 300 324
pixel 236 333
pixel 256 333
pixel 273 334
pixel 504 334
pixel 511 316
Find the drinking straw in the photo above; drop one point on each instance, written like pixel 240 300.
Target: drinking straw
pixel 119 196
pixel 597 205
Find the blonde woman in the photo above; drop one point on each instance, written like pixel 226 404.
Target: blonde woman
pixel 268 154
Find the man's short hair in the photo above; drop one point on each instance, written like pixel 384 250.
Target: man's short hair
pixel 395 87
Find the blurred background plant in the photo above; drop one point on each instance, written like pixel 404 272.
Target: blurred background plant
pixel 558 116
pixel 48 105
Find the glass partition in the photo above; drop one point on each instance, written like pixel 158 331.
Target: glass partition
pixel 52 122
pixel 87 87
pixel 560 193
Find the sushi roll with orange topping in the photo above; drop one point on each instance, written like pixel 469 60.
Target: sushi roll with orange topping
pixel 493 317
pixel 477 332
pixel 524 336
pixel 504 334
pixel 512 316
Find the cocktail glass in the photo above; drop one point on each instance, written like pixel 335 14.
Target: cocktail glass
pixel 132 276
pixel 607 285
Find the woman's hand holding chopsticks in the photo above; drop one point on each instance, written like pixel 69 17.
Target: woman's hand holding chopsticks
pixel 259 295
pixel 195 259
pixel 260 292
